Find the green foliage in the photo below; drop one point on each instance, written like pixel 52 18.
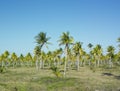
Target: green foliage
pixel 56 71
pixel 2 69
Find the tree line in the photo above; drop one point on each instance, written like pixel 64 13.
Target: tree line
pixel 69 57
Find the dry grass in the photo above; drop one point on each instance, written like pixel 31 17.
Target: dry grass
pixel 28 79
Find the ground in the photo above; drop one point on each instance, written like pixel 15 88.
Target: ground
pixel 29 79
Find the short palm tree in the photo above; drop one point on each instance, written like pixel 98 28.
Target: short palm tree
pixel 67 40
pixel 21 58
pixel 76 48
pixel 28 58
pixel 90 48
pixel 6 55
pixel 37 54
pixel 97 52
pixel 110 54
pixel 14 59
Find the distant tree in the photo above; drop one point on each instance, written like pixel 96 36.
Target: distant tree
pixel 14 59
pixel 110 54
pixel 90 46
pixel 6 55
pixel 37 54
pixel 118 40
pixel 97 52
pixel 76 48
pixel 28 58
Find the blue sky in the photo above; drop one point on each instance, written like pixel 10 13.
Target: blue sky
pixel 88 21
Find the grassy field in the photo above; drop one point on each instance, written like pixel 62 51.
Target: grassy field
pixel 29 79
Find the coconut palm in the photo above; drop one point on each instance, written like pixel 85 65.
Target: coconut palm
pixel 21 58
pixel 90 46
pixel 28 58
pixel 2 60
pixel 37 54
pixel 76 48
pixel 110 50
pixel 14 59
pixel 41 40
pixel 6 55
pixel 118 40
pixel 97 52
pixel 67 40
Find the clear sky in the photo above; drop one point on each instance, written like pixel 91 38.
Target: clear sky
pixel 88 21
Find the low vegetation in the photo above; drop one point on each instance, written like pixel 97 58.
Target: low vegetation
pixel 29 79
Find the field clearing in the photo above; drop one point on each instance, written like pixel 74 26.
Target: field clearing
pixel 29 79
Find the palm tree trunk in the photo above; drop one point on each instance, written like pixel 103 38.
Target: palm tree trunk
pixel 78 63
pixel 37 64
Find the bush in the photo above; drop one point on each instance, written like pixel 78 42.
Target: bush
pixel 2 69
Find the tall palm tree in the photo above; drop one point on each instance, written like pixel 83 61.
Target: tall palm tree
pixel 67 40
pixel 76 48
pixel 41 40
pixel 110 54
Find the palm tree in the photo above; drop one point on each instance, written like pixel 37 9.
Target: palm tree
pixel 21 58
pixel 37 54
pixel 118 40
pixel 97 52
pixel 2 60
pixel 90 47
pixel 76 49
pixel 41 40
pixel 29 59
pixel 14 59
pixel 67 40
pixel 110 54
pixel 6 55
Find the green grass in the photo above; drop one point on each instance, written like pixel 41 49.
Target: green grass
pixel 28 79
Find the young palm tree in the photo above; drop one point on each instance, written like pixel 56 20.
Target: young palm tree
pixel 110 54
pixel 67 40
pixel 90 48
pixel 41 40
pixel 28 58
pixel 76 48
pixel 6 55
pixel 2 60
pixel 21 58
pixel 14 59
pixel 37 54
pixel 97 52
